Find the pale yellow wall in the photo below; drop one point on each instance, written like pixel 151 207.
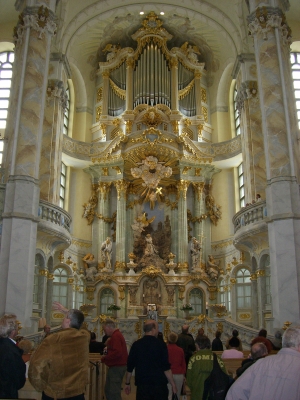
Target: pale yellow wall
pixel 224 195
pixel 221 127
pixel 79 193
pixel 82 123
pixel 6 32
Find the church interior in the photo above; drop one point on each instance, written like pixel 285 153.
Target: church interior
pixel 150 163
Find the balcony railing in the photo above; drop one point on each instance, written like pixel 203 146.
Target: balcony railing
pixel 54 214
pixel 248 215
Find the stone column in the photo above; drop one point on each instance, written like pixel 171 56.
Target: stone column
pixel 174 84
pixel 256 304
pixel 103 231
pixel 182 226
pixel 121 186
pixel 33 37
pixel 52 141
pixel 49 297
pixel 199 210
pixel 271 37
pixel 251 127
pixel 260 276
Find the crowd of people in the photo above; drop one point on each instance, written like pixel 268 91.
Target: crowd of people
pixel 59 366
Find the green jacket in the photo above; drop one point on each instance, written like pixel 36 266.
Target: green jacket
pixel 199 368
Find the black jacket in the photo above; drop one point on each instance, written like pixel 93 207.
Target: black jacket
pixel 12 369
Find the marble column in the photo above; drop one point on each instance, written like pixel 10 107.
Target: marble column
pixel 50 165
pixel 256 304
pixel 271 36
pixel 182 226
pixel 121 186
pixel 103 231
pixel 49 295
pixel 251 126
pixel 198 210
pixel 261 287
pixel 33 36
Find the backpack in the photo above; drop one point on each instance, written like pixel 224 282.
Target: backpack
pixel 217 383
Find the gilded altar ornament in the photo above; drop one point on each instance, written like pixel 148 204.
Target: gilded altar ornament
pixel 151 171
pixel 218 309
pixel 87 308
pixel 152 271
pixel 89 207
pixel 286 325
pixel 152 118
pixel 213 210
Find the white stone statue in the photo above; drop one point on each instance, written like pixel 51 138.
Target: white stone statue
pixel 150 248
pixel 212 268
pixel 106 252
pixel 195 253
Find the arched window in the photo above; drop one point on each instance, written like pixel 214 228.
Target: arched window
pixel 106 299
pixel 241 185
pixel 295 62
pixel 225 294
pixel 60 286
pixel 80 294
pixel 196 301
pixel 6 65
pixel 243 289
pixel 237 120
pixel 67 112
pixel 62 189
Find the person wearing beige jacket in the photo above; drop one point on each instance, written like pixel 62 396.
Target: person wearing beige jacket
pixel 59 366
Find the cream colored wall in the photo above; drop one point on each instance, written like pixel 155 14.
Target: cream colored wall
pixel 221 127
pixel 79 193
pixel 82 123
pixel 224 194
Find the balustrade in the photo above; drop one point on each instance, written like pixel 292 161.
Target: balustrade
pixel 249 215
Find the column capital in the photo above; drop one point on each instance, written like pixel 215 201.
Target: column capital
pixel 103 189
pixel 41 19
pixel 121 186
pixel 248 90
pixel 265 19
pixel 182 187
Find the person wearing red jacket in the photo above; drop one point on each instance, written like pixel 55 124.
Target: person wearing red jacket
pixel 115 359
pixel 177 361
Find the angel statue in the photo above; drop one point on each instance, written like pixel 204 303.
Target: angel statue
pixel 111 50
pixel 190 51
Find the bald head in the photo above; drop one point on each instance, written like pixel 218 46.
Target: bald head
pixel 185 328
pixel 151 327
pixel 259 350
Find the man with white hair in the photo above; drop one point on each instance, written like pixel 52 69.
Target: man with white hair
pixel 12 367
pixel 274 377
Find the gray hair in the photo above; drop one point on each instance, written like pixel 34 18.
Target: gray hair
pixel 258 350
pixel 109 322
pixel 291 337
pixel 8 323
pixel 76 318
